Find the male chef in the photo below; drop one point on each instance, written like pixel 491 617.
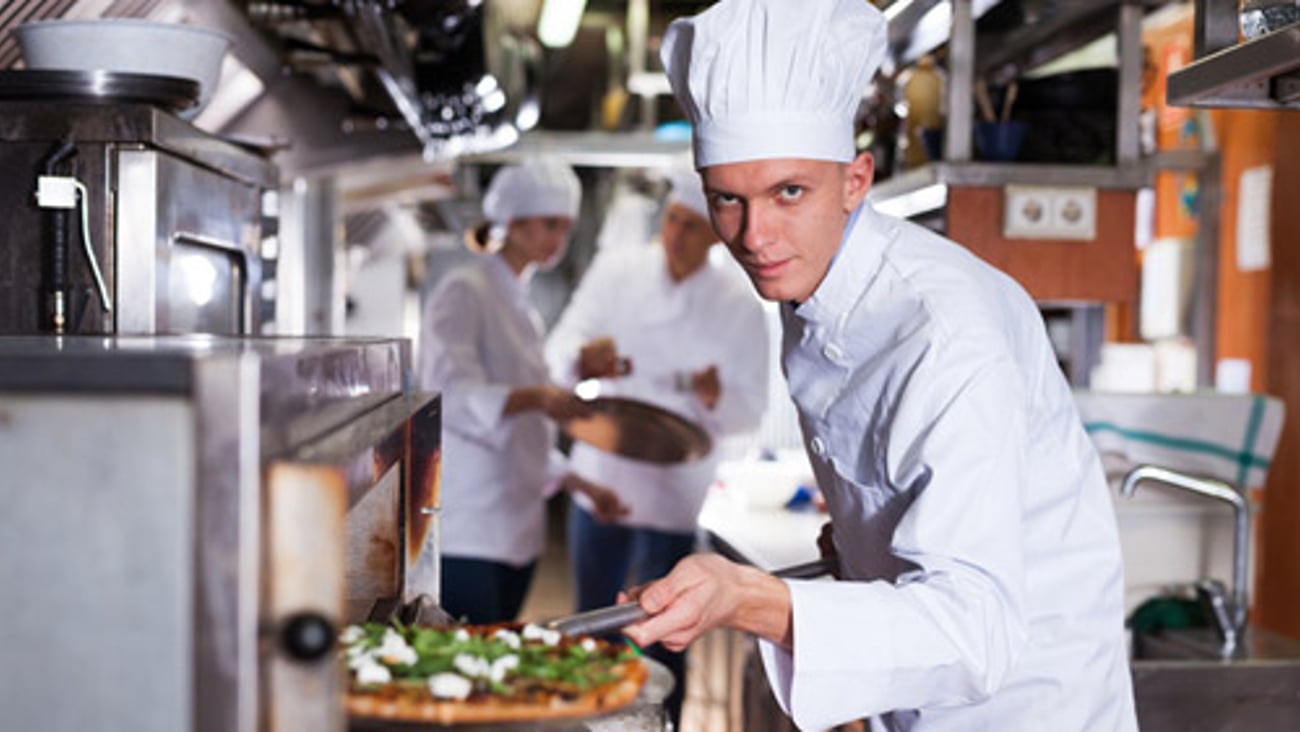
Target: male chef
pixel 981 583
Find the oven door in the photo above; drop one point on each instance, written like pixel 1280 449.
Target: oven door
pixel 188 257
pixel 350 522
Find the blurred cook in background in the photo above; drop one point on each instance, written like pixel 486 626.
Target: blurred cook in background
pixel 670 325
pixel 481 346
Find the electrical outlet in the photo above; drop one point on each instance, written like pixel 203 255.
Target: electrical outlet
pixel 1049 212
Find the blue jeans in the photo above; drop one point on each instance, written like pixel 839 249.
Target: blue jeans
pixel 482 591
pixel 602 555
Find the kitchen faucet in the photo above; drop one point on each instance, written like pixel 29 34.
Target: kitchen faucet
pixel 1227 615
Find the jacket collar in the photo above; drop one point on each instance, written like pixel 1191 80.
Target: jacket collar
pixel 851 270
pixel 499 270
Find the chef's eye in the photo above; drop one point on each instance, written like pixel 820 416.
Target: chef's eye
pixel 721 200
pixel 790 193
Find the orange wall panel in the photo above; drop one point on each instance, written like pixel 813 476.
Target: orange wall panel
pixel 1104 269
pixel 1248 139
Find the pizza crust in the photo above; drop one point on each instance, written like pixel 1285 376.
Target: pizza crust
pixel 396 704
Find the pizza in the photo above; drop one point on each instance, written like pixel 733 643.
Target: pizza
pixel 481 674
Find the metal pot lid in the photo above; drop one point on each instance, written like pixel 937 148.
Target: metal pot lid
pixel 639 431
pixel 169 92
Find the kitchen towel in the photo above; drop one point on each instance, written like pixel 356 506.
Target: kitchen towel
pixel 1230 437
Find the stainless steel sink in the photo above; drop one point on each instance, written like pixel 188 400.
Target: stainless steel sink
pixel 1181 683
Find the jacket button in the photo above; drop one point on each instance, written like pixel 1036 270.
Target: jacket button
pixel 818 446
pixel 833 352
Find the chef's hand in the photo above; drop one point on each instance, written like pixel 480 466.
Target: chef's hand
pixel 826 546
pixel 605 502
pixel 600 359
pixel 558 404
pixel 707 386
pixel 705 591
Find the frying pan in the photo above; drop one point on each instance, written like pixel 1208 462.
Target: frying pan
pixel 640 431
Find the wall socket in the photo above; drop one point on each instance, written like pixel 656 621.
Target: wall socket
pixel 1049 212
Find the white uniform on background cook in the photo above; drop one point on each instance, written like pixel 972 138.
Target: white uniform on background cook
pixel 489 461
pixel 482 340
pixel 666 328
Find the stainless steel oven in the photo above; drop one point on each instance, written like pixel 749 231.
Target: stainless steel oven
pixel 181 223
pixel 187 521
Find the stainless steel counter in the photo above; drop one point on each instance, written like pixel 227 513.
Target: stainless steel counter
pixel 306 386
pixel 188 519
pixel 768 538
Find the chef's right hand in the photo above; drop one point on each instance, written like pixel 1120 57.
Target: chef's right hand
pixel 705 591
pixel 600 359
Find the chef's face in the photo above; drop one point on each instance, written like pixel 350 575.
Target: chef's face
pixel 538 240
pixel 687 238
pixel 783 219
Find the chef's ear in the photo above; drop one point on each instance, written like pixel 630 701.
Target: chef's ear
pixel 857 180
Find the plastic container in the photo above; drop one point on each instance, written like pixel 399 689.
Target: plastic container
pixel 127 45
pixel 764 483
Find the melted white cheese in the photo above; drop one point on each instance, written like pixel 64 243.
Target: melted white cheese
pixel 547 636
pixel 358 657
pixel 502 666
pixel 395 650
pixel 472 666
pixel 509 637
pixel 447 685
pixel 373 673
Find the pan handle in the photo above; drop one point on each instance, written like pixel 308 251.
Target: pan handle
pixel 809 570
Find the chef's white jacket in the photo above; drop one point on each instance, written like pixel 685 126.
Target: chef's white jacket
pixel 969 506
pixel 481 339
pixel 711 317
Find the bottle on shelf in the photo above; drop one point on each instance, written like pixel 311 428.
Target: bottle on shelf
pixel 923 92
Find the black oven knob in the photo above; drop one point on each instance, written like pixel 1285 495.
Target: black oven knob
pixel 307 636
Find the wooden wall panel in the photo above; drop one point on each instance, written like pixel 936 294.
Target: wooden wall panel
pixel 1277 605
pixel 1104 269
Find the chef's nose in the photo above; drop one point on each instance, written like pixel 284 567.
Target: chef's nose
pixel 757 233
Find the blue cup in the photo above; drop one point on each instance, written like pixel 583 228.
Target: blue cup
pixel 999 141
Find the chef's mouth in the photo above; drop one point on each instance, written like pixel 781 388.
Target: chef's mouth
pixel 767 269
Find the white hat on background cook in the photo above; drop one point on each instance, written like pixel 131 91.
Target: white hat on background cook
pixel 536 187
pixel 688 191
pixel 763 79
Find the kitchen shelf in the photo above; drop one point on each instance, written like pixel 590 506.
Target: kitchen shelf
pixel 1129 177
pixel 1262 73
pixel 632 149
pixel 909 194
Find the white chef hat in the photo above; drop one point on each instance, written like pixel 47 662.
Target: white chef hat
pixel 536 187
pixel 763 79
pixel 688 191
